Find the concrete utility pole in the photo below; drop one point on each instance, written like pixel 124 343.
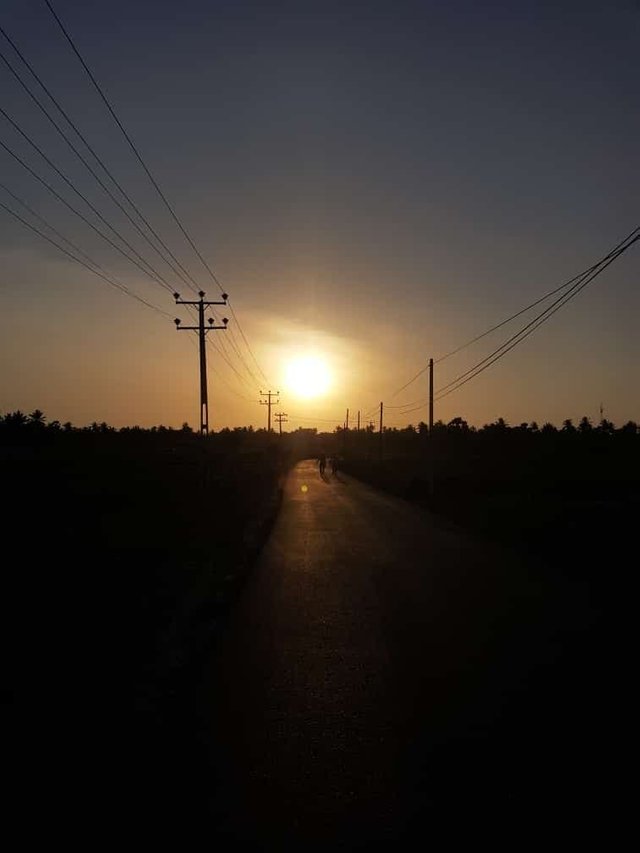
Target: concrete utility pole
pixel 268 402
pixel 281 417
pixel 202 331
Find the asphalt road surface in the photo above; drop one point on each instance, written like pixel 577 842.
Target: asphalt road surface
pixel 385 678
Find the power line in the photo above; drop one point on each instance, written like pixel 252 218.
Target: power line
pixel 225 358
pixel 126 136
pixel 518 313
pixel 253 388
pixel 37 216
pixel 537 302
pixel 90 168
pixel 233 343
pixel 151 178
pixel 411 381
pixel 226 382
pixel 533 324
pixel 154 274
pixel 236 352
pixel 193 284
pixel 101 274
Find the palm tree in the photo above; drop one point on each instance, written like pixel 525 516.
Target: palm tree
pixel 37 419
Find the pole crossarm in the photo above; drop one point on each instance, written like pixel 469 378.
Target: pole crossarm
pixel 202 330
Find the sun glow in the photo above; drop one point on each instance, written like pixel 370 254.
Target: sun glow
pixel 307 377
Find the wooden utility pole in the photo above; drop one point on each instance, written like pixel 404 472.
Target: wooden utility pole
pixel 281 418
pixel 381 407
pixel 268 402
pixel 202 331
pixel 358 420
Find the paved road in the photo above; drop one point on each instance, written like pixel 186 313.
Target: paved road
pixel 384 676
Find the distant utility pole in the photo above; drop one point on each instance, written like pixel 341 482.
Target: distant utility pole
pixel 202 331
pixel 268 402
pixel 358 420
pixel 281 417
pixel 344 433
pixel 431 449
pixel 430 395
pixel 381 406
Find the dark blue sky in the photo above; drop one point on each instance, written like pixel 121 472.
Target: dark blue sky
pixel 376 181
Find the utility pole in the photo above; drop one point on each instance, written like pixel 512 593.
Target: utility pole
pixel 268 403
pixel 358 420
pixel 381 430
pixel 202 331
pixel 344 433
pixel 281 417
pixel 431 448
pixel 430 395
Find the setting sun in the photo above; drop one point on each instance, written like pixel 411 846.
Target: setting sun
pixel 307 376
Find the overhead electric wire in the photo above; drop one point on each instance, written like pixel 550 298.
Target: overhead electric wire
pixel 92 171
pixel 518 313
pixel 226 359
pixel 36 215
pixel 152 179
pixel 97 271
pixel 225 381
pixel 234 344
pixel 411 381
pixel 530 327
pixel 77 212
pixel 318 420
pixel 223 347
pixel 153 274
pixel 193 284
pixel 415 409
pixel 533 304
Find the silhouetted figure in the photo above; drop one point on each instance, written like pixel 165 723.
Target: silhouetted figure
pixel 322 464
pixel 334 465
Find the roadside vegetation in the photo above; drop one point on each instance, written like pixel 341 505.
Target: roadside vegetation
pixel 569 494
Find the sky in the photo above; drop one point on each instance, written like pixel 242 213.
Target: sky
pixel 373 184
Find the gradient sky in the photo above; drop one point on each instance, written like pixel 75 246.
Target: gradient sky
pixel 376 183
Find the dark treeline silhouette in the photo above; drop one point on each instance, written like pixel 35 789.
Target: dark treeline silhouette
pixel 567 493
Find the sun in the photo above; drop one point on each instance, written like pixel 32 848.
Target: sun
pixel 307 376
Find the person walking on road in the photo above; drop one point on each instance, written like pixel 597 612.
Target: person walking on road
pixel 322 464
